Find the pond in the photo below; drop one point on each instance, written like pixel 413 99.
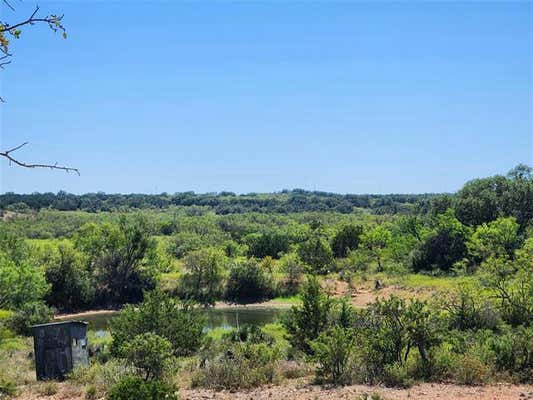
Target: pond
pixel 227 317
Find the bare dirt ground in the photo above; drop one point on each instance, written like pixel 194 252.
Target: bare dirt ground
pixel 300 389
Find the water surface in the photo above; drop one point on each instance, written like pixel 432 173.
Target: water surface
pixel 227 317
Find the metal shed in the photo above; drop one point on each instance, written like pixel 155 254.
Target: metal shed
pixel 59 347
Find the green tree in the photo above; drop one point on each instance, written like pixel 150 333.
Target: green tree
pixel 307 321
pixel 375 241
pixel 316 253
pixel 180 323
pixel 512 284
pixel 248 283
pixel 484 200
pixel 202 280
pixel 261 245
pixel 122 257
pixel 71 284
pixel 293 267
pixel 149 354
pixel 346 239
pixel 497 238
pixel 334 351
pixel 444 247
pixel 20 280
pixel 20 283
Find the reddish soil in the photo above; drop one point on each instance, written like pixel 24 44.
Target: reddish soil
pixel 302 390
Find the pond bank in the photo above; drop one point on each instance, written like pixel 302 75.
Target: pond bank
pixel 276 303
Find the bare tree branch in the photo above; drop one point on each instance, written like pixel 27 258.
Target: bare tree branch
pixel 6 29
pixel 7 3
pixel 7 154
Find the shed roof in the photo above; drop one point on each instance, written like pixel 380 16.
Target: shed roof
pixel 59 323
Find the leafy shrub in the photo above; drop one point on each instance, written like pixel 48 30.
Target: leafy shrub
pixel 29 314
pixel 180 323
pixel 136 388
pixel 389 330
pixel 512 284
pixel 512 351
pixel 470 370
pixel 248 283
pixel 91 392
pixel 334 352
pixel 103 376
pixel 397 375
pixel 238 365
pixel 307 321
pixel 248 333
pixel 149 354
pixel 7 387
pixel 294 369
pixel 467 310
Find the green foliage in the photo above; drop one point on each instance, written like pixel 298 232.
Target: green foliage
pixel 149 354
pixel 346 239
pixel 468 310
pixel 307 321
pixel 236 365
pixel 20 280
pixel 91 393
pixel 202 280
pixel 180 323
pixel 334 352
pixel 7 387
pixel 512 284
pixel 391 328
pixel 468 369
pixel 271 244
pixel 375 241
pixel 497 238
pixel 248 283
pixel 123 257
pixel 136 388
pixel 71 284
pixel 293 268
pixel 483 200
pixel 295 201
pixel 29 314
pixel 512 351
pixel 445 247
pixel 316 253
pixel 185 242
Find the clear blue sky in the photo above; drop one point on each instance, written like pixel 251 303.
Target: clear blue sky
pixel 248 96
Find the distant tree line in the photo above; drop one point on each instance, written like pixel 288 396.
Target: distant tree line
pixel 287 201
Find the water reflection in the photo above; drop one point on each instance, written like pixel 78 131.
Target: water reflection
pixel 226 318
